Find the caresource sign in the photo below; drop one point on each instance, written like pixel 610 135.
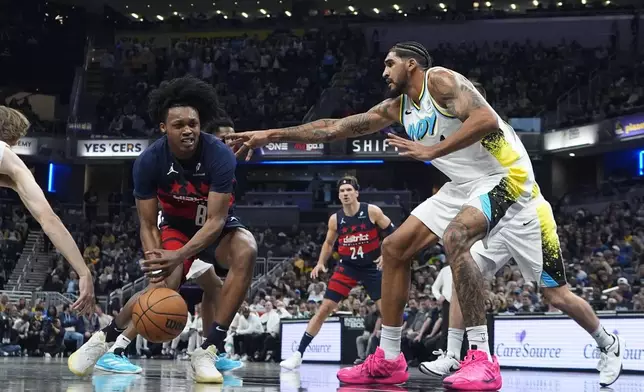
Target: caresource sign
pixel 562 344
pixel 326 347
pixel 571 137
pixel 115 148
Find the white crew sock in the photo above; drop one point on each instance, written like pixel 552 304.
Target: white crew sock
pixel 602 337
pixel 455 341
pixel 390 341
pixel 477 336
pixel 121 342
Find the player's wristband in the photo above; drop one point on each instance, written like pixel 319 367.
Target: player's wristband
pixel 388 230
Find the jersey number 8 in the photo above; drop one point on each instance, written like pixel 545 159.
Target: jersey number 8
pixel 356 252
pixel 201 215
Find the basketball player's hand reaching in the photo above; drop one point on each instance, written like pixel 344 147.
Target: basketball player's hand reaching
pixel 85 304
pixel 316 271
pixel 243 143
pixel 159 264
pixel 411 149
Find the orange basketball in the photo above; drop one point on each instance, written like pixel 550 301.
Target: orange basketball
pixel 159 315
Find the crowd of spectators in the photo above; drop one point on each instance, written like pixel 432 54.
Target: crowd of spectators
pixel 37 330
pixel 14 228
pixel 249 73
pixel 603 255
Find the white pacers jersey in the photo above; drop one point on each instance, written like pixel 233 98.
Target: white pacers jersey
pixel 499 153
pixel 3 146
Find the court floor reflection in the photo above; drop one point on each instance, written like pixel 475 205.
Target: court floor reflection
pixel 40 374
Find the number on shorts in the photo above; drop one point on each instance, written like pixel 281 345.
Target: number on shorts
pixel 355 253
pixel 202 214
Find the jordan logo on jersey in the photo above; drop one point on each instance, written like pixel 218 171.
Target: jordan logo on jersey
pixel 425 127
pixel 172 170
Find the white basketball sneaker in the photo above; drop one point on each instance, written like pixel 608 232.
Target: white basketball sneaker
pixel 293 362
pixel 443 366
pixel 82 361
pixel 610 362
pixel 203 366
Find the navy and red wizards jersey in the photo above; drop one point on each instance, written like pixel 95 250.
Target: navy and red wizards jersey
pixel 358 238
pixel 182 186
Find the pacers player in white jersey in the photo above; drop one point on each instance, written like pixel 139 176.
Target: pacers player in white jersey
pixel 531 239
pixel 14 174
pixel 491 182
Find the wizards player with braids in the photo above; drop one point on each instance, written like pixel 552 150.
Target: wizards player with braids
pixel 191 174
pixel 356 227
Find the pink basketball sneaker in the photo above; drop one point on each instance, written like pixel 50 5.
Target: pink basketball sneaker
pixel 477 373
pixel 376 370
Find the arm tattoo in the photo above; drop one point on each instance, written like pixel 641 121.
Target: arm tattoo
pixel 457 93
pixel 327 130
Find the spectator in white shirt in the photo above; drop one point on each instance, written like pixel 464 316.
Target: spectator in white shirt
pixel 271 319
pixel 170 348
pixel 318 293
pixel 249 329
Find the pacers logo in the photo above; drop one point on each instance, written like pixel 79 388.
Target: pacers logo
pixel 174 324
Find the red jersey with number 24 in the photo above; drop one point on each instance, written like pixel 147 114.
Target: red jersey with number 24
pixel 358 238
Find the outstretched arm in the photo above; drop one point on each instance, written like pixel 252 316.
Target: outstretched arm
pixel 326 130
pixel 16 174
pixel 320 131
pixel 461 99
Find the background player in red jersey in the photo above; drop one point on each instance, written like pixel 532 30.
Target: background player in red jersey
pixel 356 227
pixel 191 175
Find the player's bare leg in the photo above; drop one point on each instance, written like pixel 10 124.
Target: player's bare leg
pixel 448 361
pixel 237 251
pixel 388 365
pixel 611 346
pixel 483 372
pixel 210 295
pixel 397 251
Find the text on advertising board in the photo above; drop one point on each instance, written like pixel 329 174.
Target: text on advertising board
pixel 571 137
pixel 325 348
pixel 293 148
pixel 26 146
pixel 561 343
pixel 372 147
pixel 629 126
pixel 111 148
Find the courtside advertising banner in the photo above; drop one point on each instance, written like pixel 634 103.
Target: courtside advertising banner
pixel 571 137
pixel 284 149
pixel 326 347
pixel 629 126
pixel 111 148
pixel 372 146
pixel 26 146
pixel 559 343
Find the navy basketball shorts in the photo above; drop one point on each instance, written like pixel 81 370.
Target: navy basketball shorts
pixel 346 277
pixel 175 239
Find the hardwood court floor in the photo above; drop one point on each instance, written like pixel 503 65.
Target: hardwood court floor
pixel 51 375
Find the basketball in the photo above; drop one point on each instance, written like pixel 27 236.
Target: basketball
pixel 159 315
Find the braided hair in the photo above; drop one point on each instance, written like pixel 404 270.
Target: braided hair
pixel 414 50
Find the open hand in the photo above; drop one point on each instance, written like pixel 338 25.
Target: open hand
pixel 243 143
pixel 316 271
pixel 411 149
pixel 85 304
